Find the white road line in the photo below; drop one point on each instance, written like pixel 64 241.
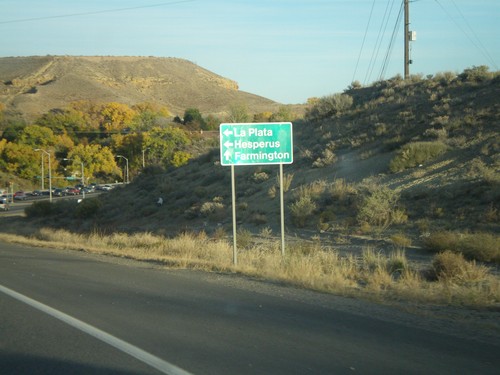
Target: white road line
pixel 141 355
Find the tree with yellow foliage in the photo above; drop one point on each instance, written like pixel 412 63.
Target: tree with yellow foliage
pixel 116 116
pixel 98 161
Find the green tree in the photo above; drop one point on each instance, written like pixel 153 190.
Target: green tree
pixel 164 145
pixel 68 121
pixel 13 129
pixel 131 146
pixel 148 115
pixel 211 123
pixel 37 136
pixel 284 114
pixel 238 113
pixel 193 117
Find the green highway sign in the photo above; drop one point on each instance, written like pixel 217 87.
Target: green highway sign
pixel 256 143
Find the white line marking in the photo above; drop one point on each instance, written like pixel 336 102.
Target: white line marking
pixel 134 351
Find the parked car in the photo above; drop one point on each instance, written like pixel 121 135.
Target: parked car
pixel 4 204
pixel 7 197
pixel 72 191
pixel 58 192
pixel 105 187
pixel 36 193
pixel 20 196
pixel 87 190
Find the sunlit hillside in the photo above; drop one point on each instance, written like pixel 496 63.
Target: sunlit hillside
pixel 398 162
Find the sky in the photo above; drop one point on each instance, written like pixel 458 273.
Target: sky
pixel 284 50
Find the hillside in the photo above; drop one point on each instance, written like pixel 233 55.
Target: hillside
pixel 394 162
pixel 31 86
pixel 400 164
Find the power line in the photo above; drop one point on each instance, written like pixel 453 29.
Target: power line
pixel 481 48
pixel 378 43
pixel 391 43
pixel 364 39
pixel 95 12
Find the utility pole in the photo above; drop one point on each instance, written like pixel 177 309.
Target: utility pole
pixel 407 39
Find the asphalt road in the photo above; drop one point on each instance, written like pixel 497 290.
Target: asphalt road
pixel 17 207
pixel 67 312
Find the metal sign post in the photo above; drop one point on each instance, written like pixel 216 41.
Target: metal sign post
pixel 256 144
pixel 233 199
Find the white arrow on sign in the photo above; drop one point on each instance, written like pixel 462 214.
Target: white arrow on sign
pixel 227 132
pixel 228 155
pixel 228 144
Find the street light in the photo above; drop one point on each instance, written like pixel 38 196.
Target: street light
pixel 43 177
pixel 123 157
pixel 83 178
pixel 50 172
pixel 143 159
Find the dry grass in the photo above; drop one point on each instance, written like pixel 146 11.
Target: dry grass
pixel 478 246
pixel 307 264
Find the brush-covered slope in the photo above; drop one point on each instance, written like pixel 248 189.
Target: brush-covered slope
pixel 434 142
pixel 399 159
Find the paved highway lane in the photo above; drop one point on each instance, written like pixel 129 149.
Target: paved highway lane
pixel 206 323
pixel 32 342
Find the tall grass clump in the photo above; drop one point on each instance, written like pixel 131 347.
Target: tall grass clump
pixel 416 153
pixel 464 282
pixel 483 247
pixel 451 267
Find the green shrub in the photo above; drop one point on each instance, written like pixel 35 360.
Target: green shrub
pixel 329 106
pixel 480 170
pixel 180 158
pixel 314 190
pixel 476 74
pixel 260 177
pixel 302 210
pixel 88 208
pixel 47 209
pixel 340 190
pixel 416 153
pixel 327 158
pixel 39 209
pixel 213 210
pixel 379 207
